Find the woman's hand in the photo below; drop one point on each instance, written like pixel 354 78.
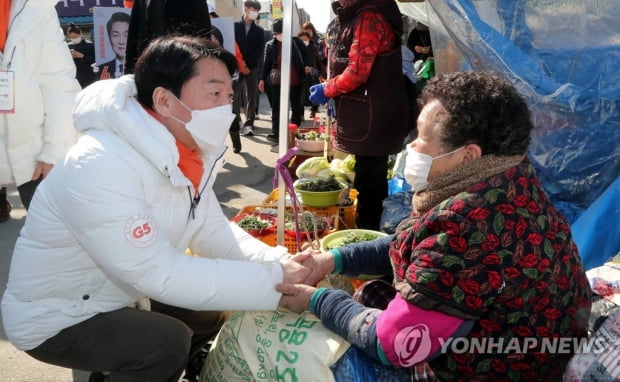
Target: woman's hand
pixel 295 297
pixel 319 263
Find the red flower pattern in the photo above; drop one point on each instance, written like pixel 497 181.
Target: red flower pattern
pixel 501 273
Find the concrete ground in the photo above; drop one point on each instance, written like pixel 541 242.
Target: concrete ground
pixel 245 180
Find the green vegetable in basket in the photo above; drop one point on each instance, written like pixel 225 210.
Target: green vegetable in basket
pixel 307 222
pixel 253 222
pixel 320 184
pixel 353 237
pixel 311 136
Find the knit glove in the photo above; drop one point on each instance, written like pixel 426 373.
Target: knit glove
pixel 317 94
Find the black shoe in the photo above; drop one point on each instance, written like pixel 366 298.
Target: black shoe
pixel 272 138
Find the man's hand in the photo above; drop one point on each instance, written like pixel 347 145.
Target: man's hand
pixel 295 297
pixel 319 263
pixel 41 170
pixel 261 86
pixel 317 94
pixel 294 272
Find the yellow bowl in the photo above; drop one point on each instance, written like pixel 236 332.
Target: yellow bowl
pixel 319 198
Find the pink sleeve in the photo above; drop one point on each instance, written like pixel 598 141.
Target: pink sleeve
pixel 409 335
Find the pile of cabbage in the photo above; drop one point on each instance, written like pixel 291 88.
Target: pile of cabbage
pixel 320 167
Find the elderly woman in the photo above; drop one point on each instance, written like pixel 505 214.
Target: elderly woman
pixel 485 272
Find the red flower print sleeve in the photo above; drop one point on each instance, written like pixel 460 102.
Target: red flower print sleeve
pixel 372 36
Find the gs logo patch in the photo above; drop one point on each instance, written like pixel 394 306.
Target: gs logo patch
pixel 139 231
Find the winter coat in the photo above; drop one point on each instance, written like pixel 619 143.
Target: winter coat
pixel 110 225
pixel 371 117
pixel 153 18
pixel 83 66
pixel 250 43
pixel 40 129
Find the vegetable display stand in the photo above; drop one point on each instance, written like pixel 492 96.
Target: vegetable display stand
pixel 290 241
pixel 346 214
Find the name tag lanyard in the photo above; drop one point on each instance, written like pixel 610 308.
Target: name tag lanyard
pixel 7 88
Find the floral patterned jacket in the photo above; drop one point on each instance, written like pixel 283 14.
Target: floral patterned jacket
pixel 499 254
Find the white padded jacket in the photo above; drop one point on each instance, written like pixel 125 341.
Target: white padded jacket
pixel 110 225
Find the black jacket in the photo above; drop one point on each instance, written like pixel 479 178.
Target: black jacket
pixel 153 18
pixel 250 44
pixel 299 60
pixel 84 70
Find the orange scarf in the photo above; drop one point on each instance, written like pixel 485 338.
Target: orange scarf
pixel 5 8
pixel 190 162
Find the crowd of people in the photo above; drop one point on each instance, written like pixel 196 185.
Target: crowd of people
pixel 124 172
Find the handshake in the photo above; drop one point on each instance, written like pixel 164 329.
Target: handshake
pixel 301 273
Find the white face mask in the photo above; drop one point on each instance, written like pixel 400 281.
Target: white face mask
pixel 208 127
pixel 252 15
pixel 278 37
pixel 418 166
pixel 76 40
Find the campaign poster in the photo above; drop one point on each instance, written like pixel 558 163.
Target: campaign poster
pixel 110 29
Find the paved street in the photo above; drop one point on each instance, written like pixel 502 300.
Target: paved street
pixel 245 180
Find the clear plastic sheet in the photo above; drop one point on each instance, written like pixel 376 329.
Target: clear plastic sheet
pixel 564 57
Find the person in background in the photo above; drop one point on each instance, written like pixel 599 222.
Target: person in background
pixel 485 256
pixel 273 60
pixel 419 41
pixel 250 38
pixel 409 79
pixel 83 53
pixel 154 18
pixel 126 203
pixel 318 42
pixel 117 28
pixel 36 127
pixel 314 71
pixel 218 38
pixel 366 83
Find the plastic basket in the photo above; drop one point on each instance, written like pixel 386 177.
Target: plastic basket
pixel 290 242
pixel 346 214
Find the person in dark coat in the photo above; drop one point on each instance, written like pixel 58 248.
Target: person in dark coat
pixel 152 18
pixel 371 104
pixel 273 60
pixel 250 38
pixel 83 53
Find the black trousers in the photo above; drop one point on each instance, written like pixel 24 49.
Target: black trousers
pixel 371 183
pixel 297 107
pixel 134 345
pixel 26 192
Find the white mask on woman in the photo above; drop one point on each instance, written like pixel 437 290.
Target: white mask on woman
pixel 76 40
pixel 208 127
pixel 418 166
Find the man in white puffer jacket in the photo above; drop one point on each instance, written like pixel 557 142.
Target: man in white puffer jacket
pixel 110 225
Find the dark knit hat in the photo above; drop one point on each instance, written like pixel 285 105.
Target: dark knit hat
pixel 277 26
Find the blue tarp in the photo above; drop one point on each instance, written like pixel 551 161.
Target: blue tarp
pixel 564 57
